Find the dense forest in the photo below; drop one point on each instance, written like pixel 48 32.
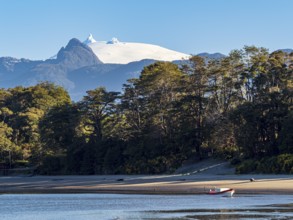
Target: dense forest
pixel 238 108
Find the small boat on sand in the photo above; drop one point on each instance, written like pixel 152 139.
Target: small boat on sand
pixel 228 192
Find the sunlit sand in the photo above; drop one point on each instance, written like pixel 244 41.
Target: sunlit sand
pixel 156 184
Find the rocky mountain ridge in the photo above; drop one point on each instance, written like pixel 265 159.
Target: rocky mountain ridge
pixel 76 68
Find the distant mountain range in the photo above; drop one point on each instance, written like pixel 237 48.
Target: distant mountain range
pixel 79 67
pixel 287 50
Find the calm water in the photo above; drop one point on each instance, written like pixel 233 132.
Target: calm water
pixel 127 207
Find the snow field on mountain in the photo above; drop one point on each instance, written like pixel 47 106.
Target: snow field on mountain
pixel 125 52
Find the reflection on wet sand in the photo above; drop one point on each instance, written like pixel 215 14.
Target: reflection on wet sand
pixel 283 211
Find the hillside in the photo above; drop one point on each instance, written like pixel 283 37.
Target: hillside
pixel 79 67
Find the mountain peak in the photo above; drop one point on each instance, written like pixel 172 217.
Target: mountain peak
pixel 77 54
pixel 73 43
pixel 114 40
pixel 90 40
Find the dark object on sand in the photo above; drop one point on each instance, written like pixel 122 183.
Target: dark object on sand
pixel 252 179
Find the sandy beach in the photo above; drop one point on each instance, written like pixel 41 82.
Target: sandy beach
pixel 147 184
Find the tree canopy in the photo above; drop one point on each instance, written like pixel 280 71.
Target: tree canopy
pixel 238 107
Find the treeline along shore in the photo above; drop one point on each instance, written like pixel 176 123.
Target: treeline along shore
pixel 237 108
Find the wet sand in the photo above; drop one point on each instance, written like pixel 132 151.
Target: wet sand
pixel 147 184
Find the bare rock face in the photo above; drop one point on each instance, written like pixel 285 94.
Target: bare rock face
pixel 24 72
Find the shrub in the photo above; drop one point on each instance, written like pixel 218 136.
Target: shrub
pixel 21 163
pixel 282 164
pixel 247 166
pixel 235 161
pixel 53 165
pixel 286 163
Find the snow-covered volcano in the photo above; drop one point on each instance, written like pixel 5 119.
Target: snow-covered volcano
pixel 118 52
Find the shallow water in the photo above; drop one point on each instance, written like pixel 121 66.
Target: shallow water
pixel 127 207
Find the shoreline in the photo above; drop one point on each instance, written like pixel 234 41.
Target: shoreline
pixel 147 184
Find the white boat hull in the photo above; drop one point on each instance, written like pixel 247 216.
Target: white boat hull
pixel 227 192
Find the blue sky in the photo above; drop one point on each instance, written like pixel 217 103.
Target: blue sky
pixel 37 29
